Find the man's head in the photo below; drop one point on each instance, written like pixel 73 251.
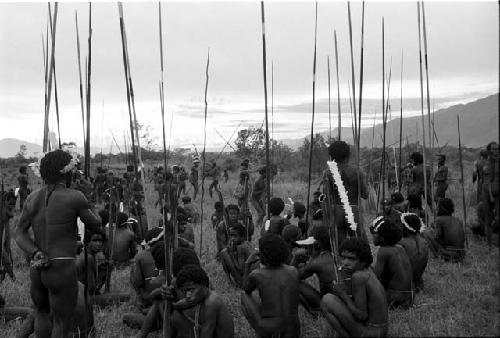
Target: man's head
pixel 273 250
pixel 104 214
pixel 299 209
pixel 121 219
pixel 232 212
pixel 218 206
pixel 55 167
pixel 322 238
pixel 386 206
pixel 445 207
pixel 356 255
pixel 158 253
pixel 96 243
pixel 339 151
pixel 441 159
pixel 186 199
pixel 397 197
pixel 22 169
pixel 237 234
pixel 183 257
pixel 190 278
pixel 412 224
pixel 417 158
pixel 276 206
pixel 483 153
pixel 414 201
pixel 291 233
pixel 386 233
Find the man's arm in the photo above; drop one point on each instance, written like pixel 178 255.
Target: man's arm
pixel 362 189
pixel 224 322
pixel 23 238
pixel 308 270
pixel 91 221
pixel 358 307
pixel 249 279
pixel 220 235
pixel 380 263
pixel 132 246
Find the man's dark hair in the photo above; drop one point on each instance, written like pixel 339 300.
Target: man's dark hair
pixel 22 169
pixel 291 233
pixel 417 158
pixel 152 233
pixel 273 250
pixel 52 164
pixel 232 207
pixel 121 218
pixel 397 197
pixel 359 247
pixel 299 208
pixel 276 206
pixel 414 222
pixel 158 253
pixel 104 214
pixel 240 229
pixel 183 257
pixel 186 199
pixel 339 151
pixel 391 232
pixel 218 205
pixel 414 201
pixel 192 273
pixel 322 236
pixel 443 156
pixel 168 176
pixel 445 207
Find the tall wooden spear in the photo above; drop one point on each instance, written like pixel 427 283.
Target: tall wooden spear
pixel 359 116
pixel 338 86
pixel 462 181
pixel 264 69
pixel 88 96
pixel 401 122
pixel 382 163
pixel 203 158
pixel 162 91
pixel 311 145
pixel 56 96
pixel 422 107
pixel 353 75
pixel 329 104
pixel 428 108
pixel 45 145
pixel 272 122
pixel 80 77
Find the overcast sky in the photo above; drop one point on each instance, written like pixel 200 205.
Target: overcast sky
pixel 462 50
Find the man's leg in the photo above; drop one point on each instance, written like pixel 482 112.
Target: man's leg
pixel 61 281
pixel 134 320
pixel 309 297
pixel 40 298
pixel 107 299
pixel 339 316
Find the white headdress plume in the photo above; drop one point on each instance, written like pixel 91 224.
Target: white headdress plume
pixel 337 179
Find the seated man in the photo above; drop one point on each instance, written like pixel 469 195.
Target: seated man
pixel 276 221
pixel 191 211
pixel 143 271
pixel 218 215
pixel 186 232
pixel 234 256
pixel 389 212
pixel 122 240
pixel 291 234
pixel 277 311
pixel 222 230
pixel 449 240
pixel 365 314
pixel 393 266
pixel 322 264
pixel 415 246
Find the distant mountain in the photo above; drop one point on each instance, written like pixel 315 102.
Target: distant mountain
pixel 479 121
pixel 9 147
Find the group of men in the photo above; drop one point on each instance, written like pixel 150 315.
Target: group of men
pixel 327 240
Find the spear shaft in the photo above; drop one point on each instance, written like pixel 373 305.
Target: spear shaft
pixel 338 86
pixel 311 145
pixel 89 72
pixel 353 76
pixel 55 88
pixel 401 122
pixel 203 155
pixel 329 104
pixel 45 145
pixel 462 180
pixel 382 168
pixel 80 77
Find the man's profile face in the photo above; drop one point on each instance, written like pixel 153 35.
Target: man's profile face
pixel 232 215
pixel 189 288
pixel 351 262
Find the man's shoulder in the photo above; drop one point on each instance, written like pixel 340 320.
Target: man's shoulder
pixel 360 276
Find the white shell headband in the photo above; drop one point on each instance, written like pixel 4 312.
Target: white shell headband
pixel 407 226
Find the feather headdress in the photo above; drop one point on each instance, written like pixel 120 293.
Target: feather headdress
pixel 337 179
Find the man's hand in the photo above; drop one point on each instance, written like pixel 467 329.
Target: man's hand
pixel 338 290
pixel 167 292
pixel 253 258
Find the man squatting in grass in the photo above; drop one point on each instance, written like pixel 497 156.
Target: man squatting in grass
pixel 339 152
pixel 54 284
pixel 222 229
pixel 393 266
pixel 234 256
pixel 277 311
pixel 365 314
pixel 322 264
pixel 415 246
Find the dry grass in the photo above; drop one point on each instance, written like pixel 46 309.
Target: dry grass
pixel 458 299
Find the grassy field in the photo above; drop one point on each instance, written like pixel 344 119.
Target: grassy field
pixel 458 299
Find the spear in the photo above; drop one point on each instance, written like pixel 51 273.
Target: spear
pixel 55 87
pixel 359 113
pixel 272 120
pixel 422 106
pixel 162 91
pixel 225 145
pixel 353 76
pixel 264 64
pixel 203 154
pixel 382 168
pixel 80 76
pixel 45 145
pixel 462 180
pixel 329 104
pixel 224 139
pixel 428 105
pixel 89 72
pixel 401 121
pixel 338 85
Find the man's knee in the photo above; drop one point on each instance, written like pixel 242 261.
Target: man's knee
pixel 331 303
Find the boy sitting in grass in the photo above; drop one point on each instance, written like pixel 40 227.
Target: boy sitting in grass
pixel 415 246
pixel 449 239
pixel 393 266
pixel 276 314
pixel 235 254
pixel 364 314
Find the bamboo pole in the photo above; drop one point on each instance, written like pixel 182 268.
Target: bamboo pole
pixel 358 143
pixel 311 145
pixel 338 87
pixel 422 109
pixel 203 154
pixel 462 181
pixel 264 69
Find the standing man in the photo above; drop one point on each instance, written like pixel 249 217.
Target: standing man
pixel 417 186
pixel 259 194
pixel 213 172
pixel 52 211
pixel 22 179
pixel 193 176
pixel 477 175
pixel 441 179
